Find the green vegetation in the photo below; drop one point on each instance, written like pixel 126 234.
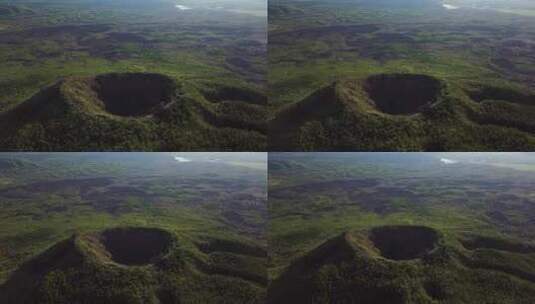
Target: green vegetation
pixel 401 228
pixel 480 58
pixel 44 44
pixel 132 111
pixel 344 270
pixel 132 228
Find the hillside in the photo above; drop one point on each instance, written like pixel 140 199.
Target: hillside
pixel 408 264
pixel 135 111
pixel 115 75
pixel 409 112
pixel 401 228
pixel 418 75
pixel 133 228
pixel 138 265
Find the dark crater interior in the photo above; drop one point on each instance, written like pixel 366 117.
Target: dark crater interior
pixel 404 242
pixel 134 94
pixel 135 246
pixel 402 94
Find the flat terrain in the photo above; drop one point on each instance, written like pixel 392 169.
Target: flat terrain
pixel 207 48
pixel 401 228
pixel 480 53
pixel 132 228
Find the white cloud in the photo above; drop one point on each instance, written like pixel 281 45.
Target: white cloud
pixel 182 7
pixel 448 161
pixel 182 159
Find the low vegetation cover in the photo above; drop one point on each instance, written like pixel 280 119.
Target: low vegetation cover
pixel 132 75
pixel 397 228
pixel 421 75
pixel 132 228
pixel 135 111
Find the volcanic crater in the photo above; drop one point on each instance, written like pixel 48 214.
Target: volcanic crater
pixel 490 93
pixel 134 94
pixel 404 242
pixel 135 246
pixel 402 94
pixel 482 242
